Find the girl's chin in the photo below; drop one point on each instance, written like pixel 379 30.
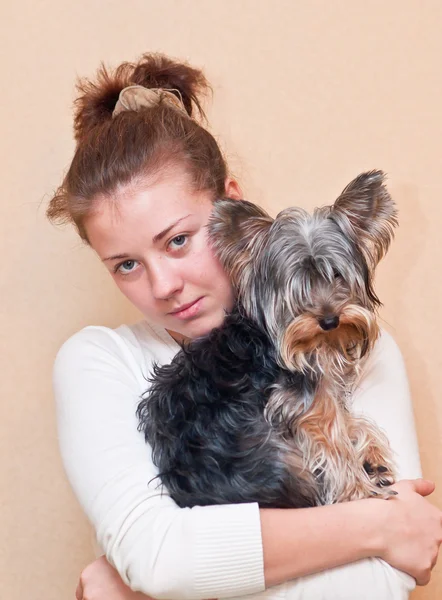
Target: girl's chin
pixel 198 328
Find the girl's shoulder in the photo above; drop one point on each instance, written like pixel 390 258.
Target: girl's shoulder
pixel 153 343
pixel 135 347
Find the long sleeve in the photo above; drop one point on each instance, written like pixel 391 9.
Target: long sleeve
pixel 208 552
pixel 158 548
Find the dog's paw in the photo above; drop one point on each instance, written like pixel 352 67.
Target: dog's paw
pixel 380 475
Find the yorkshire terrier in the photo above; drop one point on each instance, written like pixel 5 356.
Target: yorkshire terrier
pixel 258 410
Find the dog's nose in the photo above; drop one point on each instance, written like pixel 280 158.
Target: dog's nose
pixel 328 323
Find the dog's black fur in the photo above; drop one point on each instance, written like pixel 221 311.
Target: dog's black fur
pixel 204 419
pixel 257 410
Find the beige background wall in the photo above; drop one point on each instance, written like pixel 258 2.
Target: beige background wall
pixel 307 95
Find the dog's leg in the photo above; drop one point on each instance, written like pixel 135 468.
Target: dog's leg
pixel 322 432
pixel 319 434
pixel 373 452
pixel 284 406
pixel 330 444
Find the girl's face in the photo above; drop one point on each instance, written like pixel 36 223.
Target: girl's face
pixel 153 240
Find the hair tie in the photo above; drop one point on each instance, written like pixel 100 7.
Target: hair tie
pixel 135 97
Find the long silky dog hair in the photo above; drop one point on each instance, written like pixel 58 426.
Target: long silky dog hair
pixel 258 410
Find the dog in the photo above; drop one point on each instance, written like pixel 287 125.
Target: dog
pixel 258 410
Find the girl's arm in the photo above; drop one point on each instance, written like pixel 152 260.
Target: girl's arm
pixel 204 552
pixel 158 548
pixel 340 534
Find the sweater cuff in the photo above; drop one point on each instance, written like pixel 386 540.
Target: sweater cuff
pixel 228 551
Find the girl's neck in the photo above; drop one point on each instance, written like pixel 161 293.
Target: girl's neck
pixel 178 337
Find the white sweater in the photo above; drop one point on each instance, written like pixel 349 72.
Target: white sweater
pixel 204 552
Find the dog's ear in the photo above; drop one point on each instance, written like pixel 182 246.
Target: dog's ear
pixel 236 232
pixel 366 211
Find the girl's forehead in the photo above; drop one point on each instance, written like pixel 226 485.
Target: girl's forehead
pixel 144 214
pixel 164 199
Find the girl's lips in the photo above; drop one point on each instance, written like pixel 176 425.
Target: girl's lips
pixel 189 310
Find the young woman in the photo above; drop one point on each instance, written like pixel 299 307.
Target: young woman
pixel 139 191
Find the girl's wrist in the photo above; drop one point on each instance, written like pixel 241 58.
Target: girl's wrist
pixel 374 515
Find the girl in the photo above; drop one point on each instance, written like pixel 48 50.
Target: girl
pixel 139 191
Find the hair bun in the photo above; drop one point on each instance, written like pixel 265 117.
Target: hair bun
pixel 159 71
pixel 97 98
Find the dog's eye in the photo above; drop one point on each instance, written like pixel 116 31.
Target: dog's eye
pixel 336 274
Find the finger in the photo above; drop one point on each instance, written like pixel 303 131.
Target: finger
pixel 424 487
pixel 79 591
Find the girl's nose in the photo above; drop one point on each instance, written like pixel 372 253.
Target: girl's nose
pixel 165 281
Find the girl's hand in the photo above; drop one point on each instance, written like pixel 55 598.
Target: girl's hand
pixel 100 581
pixel 412 530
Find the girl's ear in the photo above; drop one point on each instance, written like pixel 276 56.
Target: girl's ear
pixel 233 189
pixel 237 230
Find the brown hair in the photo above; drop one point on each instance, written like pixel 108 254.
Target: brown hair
pixel 116 151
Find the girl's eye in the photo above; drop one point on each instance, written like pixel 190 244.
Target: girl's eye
pixel 178 242
pixel 126 267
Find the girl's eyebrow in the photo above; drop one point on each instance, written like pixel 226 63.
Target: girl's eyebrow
pixel 158 237
pixel 115 257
